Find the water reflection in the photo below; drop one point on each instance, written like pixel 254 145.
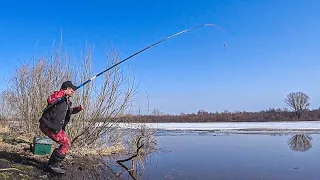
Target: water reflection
pixel 300 142
pixel 192 156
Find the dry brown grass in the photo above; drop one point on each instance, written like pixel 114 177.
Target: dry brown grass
pixel 4 129
pixel 105 151
pixel 111 150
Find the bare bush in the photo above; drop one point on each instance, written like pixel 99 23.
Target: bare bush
pixel 104 100
pixel 26 95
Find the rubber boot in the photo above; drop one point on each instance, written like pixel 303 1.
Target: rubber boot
pixel 55 161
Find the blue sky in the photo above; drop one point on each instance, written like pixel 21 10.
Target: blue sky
pixel 272 47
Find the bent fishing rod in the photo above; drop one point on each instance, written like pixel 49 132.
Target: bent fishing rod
pixel 169 37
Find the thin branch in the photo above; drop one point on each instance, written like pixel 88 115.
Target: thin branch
pixel 9 169
pixel 120 162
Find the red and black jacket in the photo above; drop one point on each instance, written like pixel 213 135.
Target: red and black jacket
pixel 57 117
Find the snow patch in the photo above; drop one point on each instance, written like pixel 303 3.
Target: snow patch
pixel 298 125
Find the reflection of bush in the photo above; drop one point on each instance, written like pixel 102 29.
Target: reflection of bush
pixel 300 142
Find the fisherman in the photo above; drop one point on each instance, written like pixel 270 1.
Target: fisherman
pixel 54 121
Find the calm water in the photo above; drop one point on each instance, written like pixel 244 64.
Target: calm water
pixel 235 156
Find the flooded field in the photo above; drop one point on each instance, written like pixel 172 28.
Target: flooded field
pixel 194 155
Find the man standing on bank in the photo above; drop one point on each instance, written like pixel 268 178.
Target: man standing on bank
pixel 54 120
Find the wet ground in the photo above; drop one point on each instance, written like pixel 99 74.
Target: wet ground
pixel 17 162
pixel 194 155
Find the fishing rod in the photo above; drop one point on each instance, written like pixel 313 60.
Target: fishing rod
pixel 169 37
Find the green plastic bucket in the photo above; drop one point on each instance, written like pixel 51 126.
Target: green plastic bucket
pixel 42 145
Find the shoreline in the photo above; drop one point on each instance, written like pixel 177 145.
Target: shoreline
pixel 230 132
pixel 281 126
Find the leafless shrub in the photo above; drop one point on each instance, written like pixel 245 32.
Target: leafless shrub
pixel 105 99
pixel 29 86
pixel 95 131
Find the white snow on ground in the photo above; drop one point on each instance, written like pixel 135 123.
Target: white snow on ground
pixel 300 125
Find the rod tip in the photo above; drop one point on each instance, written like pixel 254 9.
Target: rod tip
pixel 214 25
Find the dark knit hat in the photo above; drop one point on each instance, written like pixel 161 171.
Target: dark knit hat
pixel 67 84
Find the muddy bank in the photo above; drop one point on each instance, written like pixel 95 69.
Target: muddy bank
pixel 18 162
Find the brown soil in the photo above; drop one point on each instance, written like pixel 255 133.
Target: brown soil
pixel 18 162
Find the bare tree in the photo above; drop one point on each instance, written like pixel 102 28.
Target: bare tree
pixel 298 101
pixel 157 112
pixel 202 112
pixel 300 142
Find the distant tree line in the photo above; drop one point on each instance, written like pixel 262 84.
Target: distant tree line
pixel 298 110
pixel 297 103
